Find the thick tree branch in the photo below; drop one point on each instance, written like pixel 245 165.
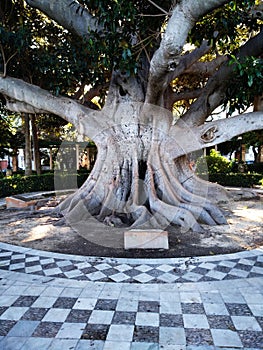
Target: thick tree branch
pixel 192 139
pixel 183 18
pixel 42 100
pixel 214 91
pixel 206 69
pixel 68 13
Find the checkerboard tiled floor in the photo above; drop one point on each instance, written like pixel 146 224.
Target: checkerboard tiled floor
pixel 41 309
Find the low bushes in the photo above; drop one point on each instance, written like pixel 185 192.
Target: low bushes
pixel 235 179
pixel 46 182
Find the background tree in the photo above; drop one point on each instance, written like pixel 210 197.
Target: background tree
pixel 135 59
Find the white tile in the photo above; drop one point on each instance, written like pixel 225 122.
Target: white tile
pixel 246 323
pixel 195 321
pixel 147 346
pixel 101 317
pixel 239 273
pixel 13 313
pixel 170 335
pixel 168 278
pixel 120 333
pixel 147 319
pixel 63 344
pixel 95 276
pixel 123 267
pixel 127 305
pixel 7 300
pixel 143 268
pixel 36 343
pixel 257 309
pixel 45 302
pixel 119 277
pixel 71 292
pixel 165 268
pixel 227 338
pixel 52 292
pixel 85 304
pixel 73 273
pixel 102 267
pixel 190 297
pixel 90 345
pixel 114 345
pixel 170 307
pixel 253 298
pixel 71 330
pixel 150 296
pixel 143 278
pixel 216 274
pixel 56 315
pixel 175 296
pixel 215 309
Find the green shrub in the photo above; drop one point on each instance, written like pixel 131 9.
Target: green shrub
pixel 45 182
pixel 213 164
pixel 235 179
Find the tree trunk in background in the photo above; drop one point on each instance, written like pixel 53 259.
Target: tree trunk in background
pixel 15 159
pixel 36 153
pixel 28 152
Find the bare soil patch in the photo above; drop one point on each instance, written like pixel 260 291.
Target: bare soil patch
pixel 43 229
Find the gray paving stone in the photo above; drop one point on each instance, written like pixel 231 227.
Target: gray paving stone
pixel 12 343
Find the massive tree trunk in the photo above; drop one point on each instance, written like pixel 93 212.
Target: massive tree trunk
pixel 142 176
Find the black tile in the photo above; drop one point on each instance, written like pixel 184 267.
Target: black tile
pixel 146 334
pixel 238 309
pixel 32 263
pixel 106 304
pixel 124 317
pixel 78 316
pixel 170 320
pixel 35 314
pixel 17 260
pixel 148 306
pixel 47 329
pixel 25 301
pixel 192 308
pixel 65 303
pixel 68 268
pixel 220 322
pixel 3 309
pixel 95 332
pixel 243 267
pixel 260 321
pixel 88 270
pixel 198 337
pixel 155 273
pixel 6 326
pixel 49 266
pixel 223 269
pixel 133 273
pixel 251 339
pixel 200 270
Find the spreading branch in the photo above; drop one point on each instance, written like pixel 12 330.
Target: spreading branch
pixel 184 16
pixel 214 91
pixel 68 13
pixel 41 100
pixel 192 139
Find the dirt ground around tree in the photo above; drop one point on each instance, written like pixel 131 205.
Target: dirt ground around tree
pixel 44 229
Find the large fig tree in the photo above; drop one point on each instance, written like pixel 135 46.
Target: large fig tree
pixel 139 65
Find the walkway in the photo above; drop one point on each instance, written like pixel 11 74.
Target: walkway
pixel 56 301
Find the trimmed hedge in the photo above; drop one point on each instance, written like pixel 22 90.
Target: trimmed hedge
pixel 46 182
pixel 235 179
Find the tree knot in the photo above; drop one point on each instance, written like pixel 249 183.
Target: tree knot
pixel 209 134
